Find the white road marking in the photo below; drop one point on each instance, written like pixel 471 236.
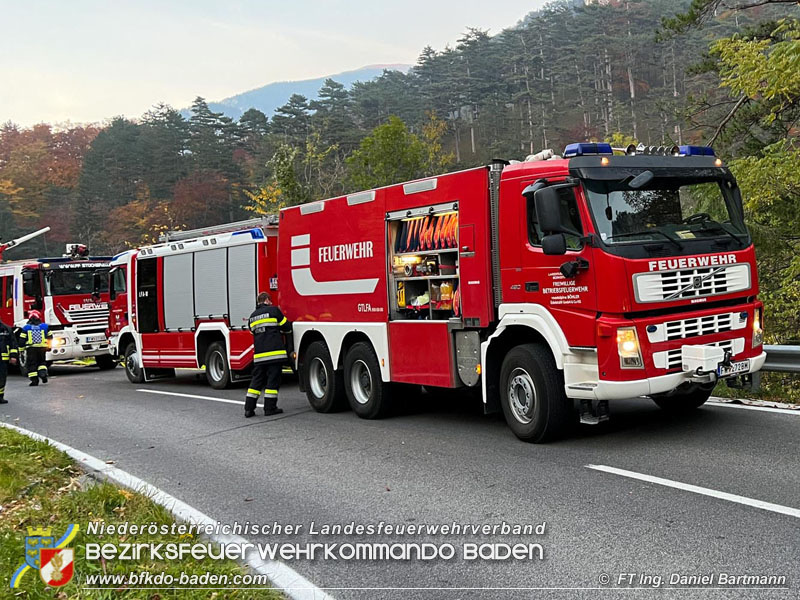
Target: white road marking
pixel 778 508
pixel 223 400
pixel 782 411
pixel 281 575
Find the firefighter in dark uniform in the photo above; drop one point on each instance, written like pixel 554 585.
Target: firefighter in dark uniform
pixel 8 354
pixel 268 326
pixel 34 337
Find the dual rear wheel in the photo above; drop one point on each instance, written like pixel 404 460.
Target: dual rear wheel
pixel 358 384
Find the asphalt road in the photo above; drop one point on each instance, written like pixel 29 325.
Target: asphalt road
pixel 440 461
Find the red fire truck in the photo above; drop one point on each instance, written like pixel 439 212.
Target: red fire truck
pixel 553 285
pixel 184 303
pixel 69 294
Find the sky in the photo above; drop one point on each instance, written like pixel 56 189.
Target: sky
pixel 83 61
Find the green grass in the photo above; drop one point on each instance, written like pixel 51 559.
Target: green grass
pixel 41 486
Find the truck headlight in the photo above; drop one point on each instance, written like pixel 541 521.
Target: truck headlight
pixel 55 342
pixel 758 327
pixel 630 355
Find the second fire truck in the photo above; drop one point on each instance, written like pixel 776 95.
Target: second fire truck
pixel 184 303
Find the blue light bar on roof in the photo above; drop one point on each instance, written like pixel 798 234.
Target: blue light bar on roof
pixel 587 148
pixel 696 151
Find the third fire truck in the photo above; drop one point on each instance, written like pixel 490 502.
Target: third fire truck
pixel 552 285
pixel 70 294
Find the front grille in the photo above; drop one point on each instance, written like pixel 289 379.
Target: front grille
pixel 700 326
pixel 88 315
pixel 691 283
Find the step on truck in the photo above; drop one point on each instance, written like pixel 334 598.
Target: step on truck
pixel 184 303
pixel 70 294
pixel 552 285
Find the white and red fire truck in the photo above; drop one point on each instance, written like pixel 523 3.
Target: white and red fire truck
pixel 184 303
pixel 68 292
pixel 553 285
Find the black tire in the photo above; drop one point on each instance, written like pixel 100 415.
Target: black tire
pixel 133 365
pixel 683 402
pixel 369 396
pixel 532 395
pixel 323 384
pixel 105 362
pixel 218 371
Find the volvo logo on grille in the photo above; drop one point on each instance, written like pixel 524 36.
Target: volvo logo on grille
pixel 697 282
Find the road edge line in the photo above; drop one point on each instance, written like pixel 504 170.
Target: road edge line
pixel 782 408
pixel 282 576
pixel 703 491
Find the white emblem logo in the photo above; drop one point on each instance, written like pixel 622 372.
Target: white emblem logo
pixel 306 285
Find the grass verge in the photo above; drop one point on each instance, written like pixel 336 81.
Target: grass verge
pixel 775 387
pixel 42 487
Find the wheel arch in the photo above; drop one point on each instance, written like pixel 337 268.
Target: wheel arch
pixel 204 337
pixel 340 337
pixel 514 330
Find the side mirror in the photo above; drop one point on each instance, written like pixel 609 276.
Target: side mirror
pixel 551 217
pixel 554 244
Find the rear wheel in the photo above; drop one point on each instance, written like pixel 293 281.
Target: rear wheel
pixel 682 402
pixel 105 362
pixel 368 395
pixel 323 384
pixel 133 364
pixel 532 395
pixel 218 373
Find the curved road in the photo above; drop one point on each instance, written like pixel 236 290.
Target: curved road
pixel 440 461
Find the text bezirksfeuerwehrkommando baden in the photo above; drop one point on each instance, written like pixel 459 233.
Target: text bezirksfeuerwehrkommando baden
pixel 353 528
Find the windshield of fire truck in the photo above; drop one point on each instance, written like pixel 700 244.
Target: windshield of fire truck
pixel 665 209
pixel 66 282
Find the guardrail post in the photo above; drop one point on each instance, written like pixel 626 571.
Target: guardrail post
pixel 755 381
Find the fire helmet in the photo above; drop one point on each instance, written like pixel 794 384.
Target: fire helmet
pixel 35 314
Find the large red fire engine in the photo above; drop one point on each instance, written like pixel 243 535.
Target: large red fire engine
pixel 184 303
pixel 555 284
pixel 69 294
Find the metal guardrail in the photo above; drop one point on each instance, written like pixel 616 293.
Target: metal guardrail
pixel 780 359
pixel 785 359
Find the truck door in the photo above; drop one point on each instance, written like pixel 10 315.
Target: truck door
pixel 571 300
pixel 7 299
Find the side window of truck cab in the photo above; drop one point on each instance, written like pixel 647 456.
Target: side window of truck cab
pixel 569 209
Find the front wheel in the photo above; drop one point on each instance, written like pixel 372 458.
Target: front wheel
pixel 532 395
pixel 105 362
pixel 133 364
pixel 683 402
pixel 218 373
pixel 368 395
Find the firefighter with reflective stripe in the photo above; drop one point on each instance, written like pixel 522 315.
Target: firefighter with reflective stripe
pixel 35 336
pixel 268 326
pixel 8 354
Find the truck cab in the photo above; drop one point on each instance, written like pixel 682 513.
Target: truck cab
pixel 636 271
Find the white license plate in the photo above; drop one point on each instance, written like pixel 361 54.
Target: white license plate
pixel 95 338
pixel 738 367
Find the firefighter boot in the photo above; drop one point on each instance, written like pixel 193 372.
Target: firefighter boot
pixel 271 403
pixel 2 396
pixel 250 402
pixel 34 377
pixel 43 374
